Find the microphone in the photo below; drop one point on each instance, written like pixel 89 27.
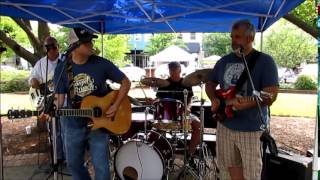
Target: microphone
pixel 71 48
pixel 239 50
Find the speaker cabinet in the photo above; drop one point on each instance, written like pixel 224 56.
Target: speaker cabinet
pixel 291 167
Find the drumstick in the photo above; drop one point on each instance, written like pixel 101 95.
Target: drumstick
pixel 145 95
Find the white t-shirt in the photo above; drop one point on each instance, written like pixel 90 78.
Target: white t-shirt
pixel 40 69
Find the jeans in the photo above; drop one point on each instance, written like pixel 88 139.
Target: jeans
pixel 77 139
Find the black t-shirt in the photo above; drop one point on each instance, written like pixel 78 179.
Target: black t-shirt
pixel 177 91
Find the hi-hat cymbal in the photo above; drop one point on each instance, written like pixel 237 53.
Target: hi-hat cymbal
pixel 196 77
pixel 155 82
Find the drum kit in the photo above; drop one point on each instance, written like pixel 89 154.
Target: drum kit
pixel 146 152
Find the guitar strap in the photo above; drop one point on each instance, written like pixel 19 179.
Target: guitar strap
pixel 71 83
pixel 251 62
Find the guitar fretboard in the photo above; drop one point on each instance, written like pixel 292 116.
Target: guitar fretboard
pixel 75 112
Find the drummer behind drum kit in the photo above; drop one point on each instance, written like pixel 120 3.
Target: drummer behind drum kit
pixel 148 154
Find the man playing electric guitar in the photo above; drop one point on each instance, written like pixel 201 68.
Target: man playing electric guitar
pixel 43 71
pixel 238 134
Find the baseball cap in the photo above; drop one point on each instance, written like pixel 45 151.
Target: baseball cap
pixel 80 35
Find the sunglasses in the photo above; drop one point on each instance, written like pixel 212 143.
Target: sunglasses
pixel 51 46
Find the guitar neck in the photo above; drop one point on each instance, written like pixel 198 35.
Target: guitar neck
pixel 75 112
pixel 246 99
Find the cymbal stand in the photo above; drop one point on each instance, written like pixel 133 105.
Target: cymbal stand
pixel 186 168
pixel 203 150
pixel 146 112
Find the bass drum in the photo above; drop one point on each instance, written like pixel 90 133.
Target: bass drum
pixel 137 159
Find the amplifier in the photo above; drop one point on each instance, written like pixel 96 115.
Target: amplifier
pixel 284 166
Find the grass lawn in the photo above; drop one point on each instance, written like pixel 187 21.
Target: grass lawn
pixel 289 104
pixel 300 105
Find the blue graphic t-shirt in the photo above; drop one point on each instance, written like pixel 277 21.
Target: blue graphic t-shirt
pixel 89 78
pixel 227 72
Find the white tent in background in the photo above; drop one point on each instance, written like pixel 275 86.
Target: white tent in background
pixel 210 61
pixel 172 53
pixel 214 58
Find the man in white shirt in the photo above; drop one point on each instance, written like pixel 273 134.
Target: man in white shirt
pixel 40 74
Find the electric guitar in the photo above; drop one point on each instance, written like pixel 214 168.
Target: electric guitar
pixel 37 95
pixel 94 108
pixel 226 97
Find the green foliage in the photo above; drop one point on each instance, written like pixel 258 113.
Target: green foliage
pixel 15 32
pixel 161 41
pixel 289 45
pixel 216 44
pixel 305 82
pixel 286 86
pixel 115 48
pixel 307 12
pixel 61 34
pixel 12 81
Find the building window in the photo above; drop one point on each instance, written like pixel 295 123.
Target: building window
pixel 193 36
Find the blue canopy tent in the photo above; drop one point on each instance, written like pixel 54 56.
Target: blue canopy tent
pixel 156 16
pixel 150 16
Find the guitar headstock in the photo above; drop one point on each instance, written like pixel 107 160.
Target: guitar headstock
pixel 17 114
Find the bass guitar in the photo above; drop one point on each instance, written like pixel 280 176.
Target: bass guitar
pixel 37 95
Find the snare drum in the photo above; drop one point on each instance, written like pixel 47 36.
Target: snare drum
pixel 168 113
pixel 137 124
pixel 139 159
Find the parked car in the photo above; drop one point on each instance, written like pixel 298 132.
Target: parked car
pixel 134 73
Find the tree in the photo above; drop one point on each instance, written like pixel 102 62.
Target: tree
pixel 61 34
pixel 305 17
pixel 288 45
pixel 161 41
pixel 10 33
pixel 115 48
pixel 216 44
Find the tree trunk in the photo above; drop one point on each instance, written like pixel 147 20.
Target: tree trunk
pixel 36 42
pixel 304 26
pixel 19 50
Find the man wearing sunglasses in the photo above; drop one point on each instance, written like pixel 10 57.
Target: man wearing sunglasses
pixel 43 72
pixel 40 72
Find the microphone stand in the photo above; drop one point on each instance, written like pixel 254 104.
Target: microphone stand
pixel 49 109
pixel 256 94
pixel 48 105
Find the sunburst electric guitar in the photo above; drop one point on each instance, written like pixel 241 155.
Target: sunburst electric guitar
pixel 94 108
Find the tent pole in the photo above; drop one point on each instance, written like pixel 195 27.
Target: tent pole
pixel 101 32
pixel 315 165
pixel 261 41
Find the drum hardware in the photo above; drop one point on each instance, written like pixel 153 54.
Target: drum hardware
pixel 203 150
pixel 186 167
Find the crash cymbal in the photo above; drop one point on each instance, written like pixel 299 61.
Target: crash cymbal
pixel 196 77
pixel 155 82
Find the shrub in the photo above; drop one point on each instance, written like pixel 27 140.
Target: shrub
pixel 12 81
pixel 286 86
pixel 305 82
